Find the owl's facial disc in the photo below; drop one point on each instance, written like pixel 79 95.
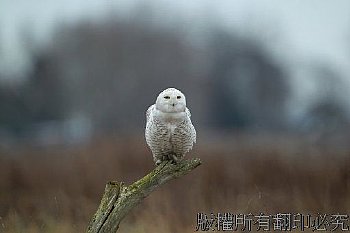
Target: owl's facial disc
pixel 171 100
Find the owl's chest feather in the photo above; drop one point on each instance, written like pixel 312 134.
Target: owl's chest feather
pixel 171 127
pixel 170 121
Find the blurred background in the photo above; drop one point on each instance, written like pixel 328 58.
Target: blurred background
pixel 267 83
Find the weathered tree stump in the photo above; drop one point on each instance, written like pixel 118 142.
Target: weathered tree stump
pixel 118 199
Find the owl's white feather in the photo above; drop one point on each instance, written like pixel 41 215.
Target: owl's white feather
pixel 169 130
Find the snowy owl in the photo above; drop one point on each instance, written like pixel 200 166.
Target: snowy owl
pixel 169 130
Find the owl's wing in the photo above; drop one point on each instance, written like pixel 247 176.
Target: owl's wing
pixel 192 129
pixel 194 134
pixel 148 112
pixel 188 113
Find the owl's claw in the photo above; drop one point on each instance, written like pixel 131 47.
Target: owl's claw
pixel 158 162
pixel 173 158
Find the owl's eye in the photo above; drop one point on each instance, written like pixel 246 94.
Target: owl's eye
pixel 166 97
pixel 178 97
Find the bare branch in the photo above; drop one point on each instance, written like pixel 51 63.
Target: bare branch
pixel 118 199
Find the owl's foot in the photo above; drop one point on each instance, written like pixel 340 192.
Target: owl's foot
pixel 158 162
pixel 171 157
pixel 174 158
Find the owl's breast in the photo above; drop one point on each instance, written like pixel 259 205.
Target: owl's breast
pixel 171 128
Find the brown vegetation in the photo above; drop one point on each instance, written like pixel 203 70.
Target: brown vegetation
pixel 59 189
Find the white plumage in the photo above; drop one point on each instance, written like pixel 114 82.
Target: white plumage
pixel 169 130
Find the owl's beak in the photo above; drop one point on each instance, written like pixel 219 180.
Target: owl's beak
pixel 173 104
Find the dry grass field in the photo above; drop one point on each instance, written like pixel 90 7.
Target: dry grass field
pixel 58 189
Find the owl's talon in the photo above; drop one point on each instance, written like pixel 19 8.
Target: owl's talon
pixel 173 158
pixel 158 162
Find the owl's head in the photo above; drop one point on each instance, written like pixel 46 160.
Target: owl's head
pixel 171 100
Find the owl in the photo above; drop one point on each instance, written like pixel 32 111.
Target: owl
pixel 169 131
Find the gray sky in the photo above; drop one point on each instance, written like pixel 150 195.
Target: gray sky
pixel 309 29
